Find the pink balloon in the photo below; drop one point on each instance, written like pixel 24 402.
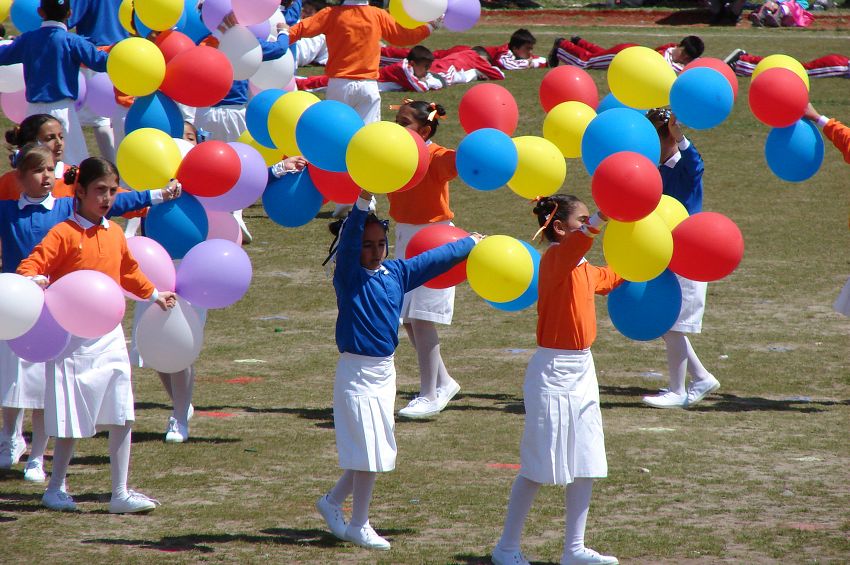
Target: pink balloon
pixel 100 95
pixel 86 303
pixel 214 274
pixel 223 226
pixel 14 105
pixel 250 12
pixel 81 92
pixel 250 186
pixel 155 263
pixel 45 341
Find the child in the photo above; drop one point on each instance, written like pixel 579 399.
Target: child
pixel 582 53
pixel 411 73
pixel 562 442
pixel 370 292
pixel 782 13
pixel 681 173
pixel 52 57
pixel 45 130
pixel 462 67
pixel 832 65
pixel 88 386
pixel 310 50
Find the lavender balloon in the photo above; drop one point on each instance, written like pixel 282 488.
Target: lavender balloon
pixel 213 12
pixel 45 341
pixel 462 15
pixel 250 186
pixel 81 92
pixel 100 95
pixel 214 274
pixel 262 30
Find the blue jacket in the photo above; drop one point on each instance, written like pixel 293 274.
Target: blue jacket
pixel 238 94
pixel 97 21
pixel 684 180
pixel 293 13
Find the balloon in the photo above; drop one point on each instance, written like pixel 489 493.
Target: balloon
pixel 45 341
pixel 336 187
pixel 172 43
pixel 136 66
pixel 397 11
pixel 706 247
pixel 644 311
pixel 242 49
pixel 141 29
pixel 210 169
pixel 155 111
pixel 701 98
pixel 100 95
pixel 192 24
pixel 21 301
pixel 719 66
pixel 292 200
pixel 201 76
pixel 86 303
pixel 564 126
pixel 125 16
pixel 540 171
pixel 183 146
pixel 566 83
pixel 618 129
pixel 323 131
pixel 14 105
pixel 214 274
pixel 249 12
pixel 270 155
pixel 5 8
pixel 609 102
pixel 147 158
pixel 499 268
pixel 169 341
pixel 178 225
pixel 81 91
pixel 159 14
pixel 262 30
pixel 488 105
pixel 382 157
pixel 782 62
pixel 154 262
pixel 423 162
pixel 213 12
pixel 640 77
pixel 432 237
pixel 277 73
pixel 248 188
pixel 671 211
pixel 528 297
pixel 778 97
pixel 638 251
pixel 795 153
pixel 626 186
pixel 424 10
pixel 462 15
pixel 486 159
pixel 223 225
pixel 257 115
pixel 11 76
pixel 283 118
pixel 25 16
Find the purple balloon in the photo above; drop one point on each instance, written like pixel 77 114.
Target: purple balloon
pixel 248 189
pixel 213 12
pixel 100 95
pixel 81 92
pixel 261 30
pixel 462 15
pixel 45 341
pixel 214 274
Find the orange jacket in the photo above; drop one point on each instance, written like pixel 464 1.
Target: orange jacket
pixel 428 201
pixel 10 188
pixel 839 135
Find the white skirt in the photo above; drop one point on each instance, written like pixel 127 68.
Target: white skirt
pixel 842 303
pixel 693 306
pixel 21 382
pixel 364 404
pixel 563 437
pixel 88 385
pixel 431 304
pixel 224 123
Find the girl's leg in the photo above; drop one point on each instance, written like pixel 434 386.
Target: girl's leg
pixel 12 444
pixel 330 504
pixel 427 344
pixel 695 366
pixel 182 386
pixel 124 500
pixel 359 531
pixel 522 496
pixel 63 451
pixel 13 422
pixel 39 437
pixel 577 503
pixel 165 379
pixel 677 360
pixel 342 489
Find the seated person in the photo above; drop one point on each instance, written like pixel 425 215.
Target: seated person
pixel 582 53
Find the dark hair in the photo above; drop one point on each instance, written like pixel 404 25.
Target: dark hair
pixel 30 156
pixel 483 53
pixel 90 170
pixel 27 132
pixel 422 110
pixel 420 54
pixel 2 30
pixel 56 10
pixel 335 228
pixel 521 37
pixel 561 204
pixel 660 119
pixel 693 46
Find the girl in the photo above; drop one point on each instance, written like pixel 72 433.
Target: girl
pixel 369 293
pixel 563 442
pixel 681 174
pixel 426 204
pixel 45 130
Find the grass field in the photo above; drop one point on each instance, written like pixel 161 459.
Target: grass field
pixel 756 474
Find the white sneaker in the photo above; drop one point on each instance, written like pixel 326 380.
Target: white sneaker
pixel 698 390
pixel 666 400
pixel 133 503
pixel 366 537
pixel 420 407
pixel 34 471
pixel 11 450
pixel 504 557
pixel 586 556
pixel 175 432
pixel 446 393
pixel 333 516
pixel 58 500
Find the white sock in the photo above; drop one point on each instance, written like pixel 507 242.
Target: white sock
pixel 165 379
pixel 427 345
pixel 13 422
pixel 577 503
pixel 364 484
pixel 119 458
pixel 39 437
pixel 105 142
pixel 342 489
pixel 182 385
pixel 677 360
pixel 695 366
pixel 63 451
pixel 522 497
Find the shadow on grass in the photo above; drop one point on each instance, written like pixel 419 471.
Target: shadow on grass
pixel 152 406
pixel 4 519
pixel 23 502
pixel 145 437
pixel 468 559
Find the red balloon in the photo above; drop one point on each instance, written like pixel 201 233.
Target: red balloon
pixel 435 236
pixel 201 76
pixel 719 66
pixel 567 83
pixel 422 167
pixel 337 187
pixel 171 42
pixel 706 247
pixel 488 105
pixel 209 169
pixel 778 97
pixel 626 186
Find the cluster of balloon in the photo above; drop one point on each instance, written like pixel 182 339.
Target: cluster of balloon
pixel 459 15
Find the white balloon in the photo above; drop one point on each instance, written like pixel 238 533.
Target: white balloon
pixel 242 49
pixel 183 145
pixel 276 73
pixel 424 10
pixel 11 76
pixel 21 301
pixel 170 341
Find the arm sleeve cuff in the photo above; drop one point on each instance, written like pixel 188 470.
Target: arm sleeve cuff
pixel 822 121
pixel 154 296
pixel 38 278
pixel 593 226
pixel 684 144
pixel 363 204
pixel 157 197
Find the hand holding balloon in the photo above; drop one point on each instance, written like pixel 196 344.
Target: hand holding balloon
pixel 172 191
pixel 166 299
pixel 296 163
pixel 811 113
pixel 675 130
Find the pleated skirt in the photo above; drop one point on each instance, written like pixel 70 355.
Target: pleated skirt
pixel 21 382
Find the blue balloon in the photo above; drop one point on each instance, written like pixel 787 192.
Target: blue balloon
pixel 609 102
pixel 794 153
pixel 644 311
pixel 156 111
pixel 528 297
pixel 191 23
pixel 323 132
pixel 257 115
pixel 25 16
pixel 141 29
pixel 486 159
pixel 615 130
pixel 292 200
pixel 701 98
pixel 178 225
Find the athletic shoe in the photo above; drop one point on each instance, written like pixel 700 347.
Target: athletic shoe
pixel 503 557
pixel 552 59
pixel 701 388
pixel 11 450
pixel 176 433
pixel 733 57
pixel 333 516
pixel 133 503
pixel 666 400
pixel 586 556
pixel 420 407
pixel 772 19
pixel 34 471
pixel 446 393
pixel 366 537
pixel 58 500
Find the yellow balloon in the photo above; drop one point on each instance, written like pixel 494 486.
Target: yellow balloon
pixel 638 251
pixel 784 62
pixel 640 77
pixel 159 14
pixel 148 158
pixel 382 157
pixel 397 12
pixel 283 117
pixel 499 268
pixel 125 16
pixel 270 155
pixel 671 211
pixel 540 170
pixel 136 66
pixel 565 124
pixel 5 8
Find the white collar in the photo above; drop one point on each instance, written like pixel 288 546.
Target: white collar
pixel 355 3
pixel 671 162
pixel 47 202
pixel 381 269
pixel 53 23
pixel 85 224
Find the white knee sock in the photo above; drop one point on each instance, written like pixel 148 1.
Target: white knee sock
pixel 677 360
pixel 364 483
pixel 577 503
pixel 182 385
pixel 119 458
pixel 105 142
pixel 165 379
pixel 343 488
pixel 695 366
pixel 522 497
pixel 39 437
pixel 63 451
pixel 13 422
pixel 428 352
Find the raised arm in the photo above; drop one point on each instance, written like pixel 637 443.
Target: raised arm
pixel 422 268
pixel 85 52
pixel 351 238
pixel 310 27
pixel 396 34
pixel 12 53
